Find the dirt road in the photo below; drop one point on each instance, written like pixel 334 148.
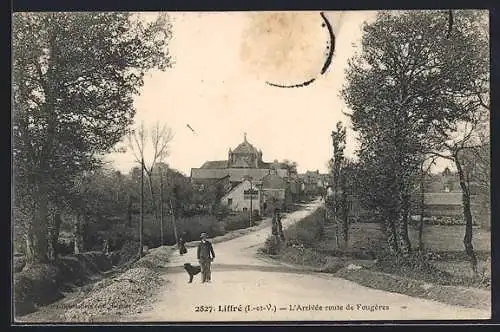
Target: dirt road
pixel 246 287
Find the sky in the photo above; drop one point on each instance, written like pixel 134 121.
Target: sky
pixel 217 86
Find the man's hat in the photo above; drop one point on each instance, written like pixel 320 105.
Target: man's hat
pixel 203 235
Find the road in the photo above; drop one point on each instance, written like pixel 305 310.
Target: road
pixel 267 291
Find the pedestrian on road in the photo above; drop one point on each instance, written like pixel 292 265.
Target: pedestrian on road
pixel 277 226
pixel 182 246
pixel 205 256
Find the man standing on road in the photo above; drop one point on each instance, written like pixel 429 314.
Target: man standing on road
pixel 277 226
pixel 205 256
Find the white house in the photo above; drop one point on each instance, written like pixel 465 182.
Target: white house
pixel 240 197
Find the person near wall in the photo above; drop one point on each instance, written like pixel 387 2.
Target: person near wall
pixel 205 256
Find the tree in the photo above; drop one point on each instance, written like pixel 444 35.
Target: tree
pixel 160 137
pixel 74 75
pixel 424 172
pixel 459 148
pixel 348 178
pixel 457 140
pixel 291 166
pixel 401 87
pixel 338 142
pixel 481 175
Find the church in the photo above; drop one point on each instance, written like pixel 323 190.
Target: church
pixel 243 168
pixel 242 162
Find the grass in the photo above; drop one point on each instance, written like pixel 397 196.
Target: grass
pixel 433 273
pixel 450 238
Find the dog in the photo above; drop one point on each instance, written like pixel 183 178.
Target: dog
pixel 192 270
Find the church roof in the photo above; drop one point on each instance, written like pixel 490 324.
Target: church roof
pixel 235 174
pixel 240 163
pixel 245 147
pixel 215 164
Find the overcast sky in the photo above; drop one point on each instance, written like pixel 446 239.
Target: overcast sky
pixel 217 86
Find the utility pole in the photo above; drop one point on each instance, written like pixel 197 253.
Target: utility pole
pixel 141 220
pixel 161 206
pixel 249 179
pixel 173 222
pixel 251 200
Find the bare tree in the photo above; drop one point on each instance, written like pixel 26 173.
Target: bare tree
pixel 160 137
pixel 149 156
pixel 453 147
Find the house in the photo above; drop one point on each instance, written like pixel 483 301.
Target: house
pixel 243 197
pixel 275 192
pixel 314 183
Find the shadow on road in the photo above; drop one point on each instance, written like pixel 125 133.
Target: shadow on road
pixel 241 267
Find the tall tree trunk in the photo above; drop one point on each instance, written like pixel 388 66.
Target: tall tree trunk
pixel 54 228
pixel 405 245
pixel 78 233
pixel 469 249
pixel 161 207
pixel 141 219
pixel 36 237
pixel 390 231
pixel 151 191
pixel 173 222
pixel 422 211
pixel 344 212
pixel 129 210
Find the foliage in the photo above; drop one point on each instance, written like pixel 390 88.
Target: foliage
pixel 291 166
pixel 237 221
pixel 74 75
pixel 305 233
pixel 409 81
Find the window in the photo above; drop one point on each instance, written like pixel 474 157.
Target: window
pixel 229 201
pixel 245 209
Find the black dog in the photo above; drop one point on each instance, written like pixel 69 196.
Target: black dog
pixel 191 270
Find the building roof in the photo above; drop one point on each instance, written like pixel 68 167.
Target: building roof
pixel 208 173
pixel 215 164
pixel 451 198
pixel 245 148
pixel 241 164
pixel 235 174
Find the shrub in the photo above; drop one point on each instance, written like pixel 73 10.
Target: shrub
pixel 302 235
pixel 417 265
pixel 36 285
pixel 218 229
pixel 19 263
pixel 308 231
pixel 303 256
pixel 128 251
pixel 237 221
pixel 195 225
pixel 272 246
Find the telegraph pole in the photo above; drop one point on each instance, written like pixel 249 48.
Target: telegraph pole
pixel 251 200
pixel 173 222
pixel 161 206
pixel 141 220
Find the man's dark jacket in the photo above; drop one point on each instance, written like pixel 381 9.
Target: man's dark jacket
pixel 205 251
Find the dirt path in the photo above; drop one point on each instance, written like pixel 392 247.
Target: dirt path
pixel 266 291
